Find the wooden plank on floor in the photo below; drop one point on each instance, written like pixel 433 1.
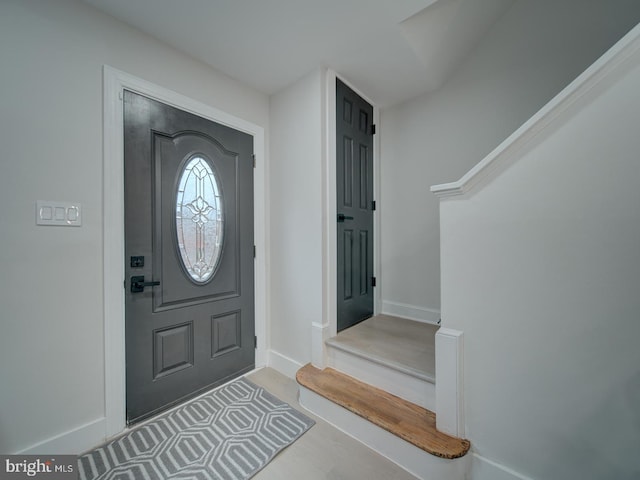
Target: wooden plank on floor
pixel 404 419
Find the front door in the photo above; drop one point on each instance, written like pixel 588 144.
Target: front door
pixel 354 182
pixel 189 304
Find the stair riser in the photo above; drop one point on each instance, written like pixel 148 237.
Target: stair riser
pixel 405 386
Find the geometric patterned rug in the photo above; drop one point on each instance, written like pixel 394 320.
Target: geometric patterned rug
pixel 230 433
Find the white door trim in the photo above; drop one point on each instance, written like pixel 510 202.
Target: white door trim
pixel 113 227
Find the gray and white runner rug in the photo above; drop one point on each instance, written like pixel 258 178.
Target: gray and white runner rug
pixel 229 433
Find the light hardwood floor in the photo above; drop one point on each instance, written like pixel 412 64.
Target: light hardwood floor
pixel 323 452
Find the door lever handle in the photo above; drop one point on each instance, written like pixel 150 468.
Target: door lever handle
pixel 138 284
pixel 342 217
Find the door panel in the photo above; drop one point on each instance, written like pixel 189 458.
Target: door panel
pixel 170 155
pixel 354 168
pixel 173 349
pixel 195 329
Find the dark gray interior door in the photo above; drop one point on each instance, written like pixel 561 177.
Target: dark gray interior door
pixel 354 171
pixel 188 254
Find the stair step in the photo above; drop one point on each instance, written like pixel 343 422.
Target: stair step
pixel 394 354
pixel 404 419
pixel 397 343
pixel 380 360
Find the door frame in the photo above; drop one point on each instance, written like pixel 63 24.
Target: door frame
pixel 329 327
pixel 114 82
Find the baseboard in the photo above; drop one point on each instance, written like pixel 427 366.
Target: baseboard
pixel 283 364
pixel 412 312
pixel 73 442
pixel 485 469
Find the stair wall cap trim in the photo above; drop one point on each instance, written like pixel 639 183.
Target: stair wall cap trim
pixel 507 151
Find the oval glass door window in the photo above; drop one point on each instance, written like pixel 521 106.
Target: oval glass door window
pixel 199 220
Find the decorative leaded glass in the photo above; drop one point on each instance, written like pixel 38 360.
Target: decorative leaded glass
pixel 199 220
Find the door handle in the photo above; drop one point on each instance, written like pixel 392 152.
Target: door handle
pixel 138 284
pixel 342 217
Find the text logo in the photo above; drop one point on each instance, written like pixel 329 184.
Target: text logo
pixel 45 467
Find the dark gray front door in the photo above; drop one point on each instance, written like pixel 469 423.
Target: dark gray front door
pixel 188 254
pixel 354 169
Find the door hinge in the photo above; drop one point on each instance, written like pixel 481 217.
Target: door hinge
pixel 373 205
pixel 255 342
pixel 373 281
pixel 373 129
pixel 253 156
pixel 254 251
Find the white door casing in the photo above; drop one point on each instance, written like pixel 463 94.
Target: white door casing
pixel 115 82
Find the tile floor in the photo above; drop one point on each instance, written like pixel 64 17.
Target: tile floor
pixel 323 452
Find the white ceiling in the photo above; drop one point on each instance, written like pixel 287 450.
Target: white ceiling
pixel 391 50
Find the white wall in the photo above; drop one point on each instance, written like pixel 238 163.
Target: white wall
pixel 540 270
pixel 51 344
pixel 532 52
pixel 296 273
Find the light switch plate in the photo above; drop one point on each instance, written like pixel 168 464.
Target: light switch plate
pixel 63 214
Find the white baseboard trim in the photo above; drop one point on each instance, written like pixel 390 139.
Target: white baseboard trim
pixel 73 442
pixel 414 460
pixel 485 469
pixel 411 312
pixel 283 364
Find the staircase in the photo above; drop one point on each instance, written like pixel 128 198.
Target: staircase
pixel 380 388
pixel 394 354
